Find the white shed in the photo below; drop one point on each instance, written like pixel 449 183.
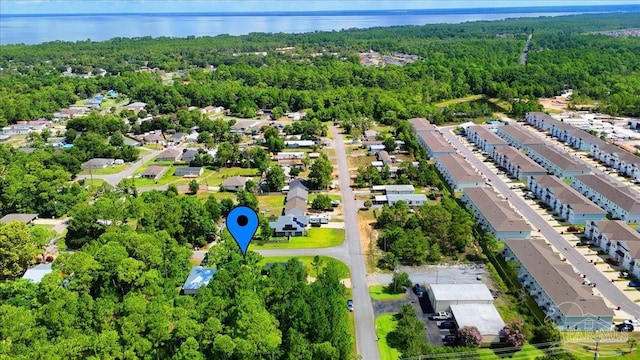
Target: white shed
pixel 442 296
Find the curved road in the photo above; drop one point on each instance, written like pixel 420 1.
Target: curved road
pixel 114 179
pixel 605 287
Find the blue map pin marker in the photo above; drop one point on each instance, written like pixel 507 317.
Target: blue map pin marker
pixel 242 223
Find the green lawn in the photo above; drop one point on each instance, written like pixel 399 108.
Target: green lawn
pixel 271 205
pixel 459 100
pixel 358 161
pixel 316 238
pixel 377 292
pixel 223 173
pixel 109 170
pixel 384 325
pixel 528 352
pixel 332 196
pixel 204 195
pixel 343 270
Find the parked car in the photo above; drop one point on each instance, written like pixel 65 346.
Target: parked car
pixel 633 322
pixel 450 339
pixel 350 305
pixel 624 327
pixel 418 289
pixel 612 262
pixel 447 325
pixel 634 283
pixel 442 315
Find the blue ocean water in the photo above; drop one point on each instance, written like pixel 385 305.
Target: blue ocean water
pixel 38 28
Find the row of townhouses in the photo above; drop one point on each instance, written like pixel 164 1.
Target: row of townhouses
pixel 612 196
pixel 495 214
pixel 566 202
pixel 517 163
pixel 430 138
pixel 621 160
pixel 458 172
pixel 618 240
pixel 557 162
pixel 484 138
pixel 556 287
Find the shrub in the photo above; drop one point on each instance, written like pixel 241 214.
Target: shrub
pixel 514 333
pixel 469 336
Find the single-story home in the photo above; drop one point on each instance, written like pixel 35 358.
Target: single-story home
pixel 188 171
pixel 98 163
pixel 189 155
pixel 198 277
pixel 299 143
pixel 289 225
pixel 25 218
pixel 36 273
pixel 235 183
pixel 170 154
pixel 153 172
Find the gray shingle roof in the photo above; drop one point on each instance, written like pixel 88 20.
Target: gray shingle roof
pixel 496 210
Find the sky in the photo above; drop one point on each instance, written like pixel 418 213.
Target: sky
pixel 8 7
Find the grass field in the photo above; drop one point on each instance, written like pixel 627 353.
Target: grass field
pixel 316 238
pixel 528 352
pixel 332 196
pixel 358 161
pixel 378 292
pixel 459 100
pixel 343 270
pixel 223 173
pixel 384 325
pixel 109 170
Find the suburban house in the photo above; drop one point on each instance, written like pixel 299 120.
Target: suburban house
pixel 370 134
pixel 299 182
pixel 97 163
pixel 394 189
pixel 295 207
pixel 36 273
pixel 435 143
pixel 569 204
pixel 297 192
pixel 175 139
pixel 189 155
pixel 409 199
pixel 235 183
pixel 188 171
pixel 131 142
pixel 154 138
pixel 135 107
pixel 299 143
pixel 621 160
pixel 421 125
pixel 283 155
pixel 24 218
pixel 556 287
pixel 198 277
pixel 617 199
pixel 516 163
pixel 384 157
pixel 618 240
pixel 170 154
pixel 518 137
pixel 153 172
pixel 192 138
pixel 458 172
pixel 484 138
pixel 375 147
pixel 22 129
pixel 495 214
pixel 557 162
pixel 57 142
pixel 289 225
pixel 295 116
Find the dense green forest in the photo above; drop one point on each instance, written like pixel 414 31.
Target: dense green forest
pixel 458 60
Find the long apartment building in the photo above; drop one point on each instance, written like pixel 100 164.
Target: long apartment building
pixel 516 163
pixel 435 143
pixel 495 214
pixel 557 162
pixel 484 138
pixel 618 240
pixel 421 124
pixel 621 160
pixel 458 172
pixel 573 136
pixel 518 137
pixel 556 288
pixel 615 198
pixel 569 204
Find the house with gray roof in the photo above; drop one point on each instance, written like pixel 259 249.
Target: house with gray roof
pixel 154 138
pixel 557 162
pixel 540 120
pixel 557 289
pixel 614 197
pixel 517 136
pixel 421 125
pixel 566 202
pixel 24 218
pixel 457 172
pixel 286 225
pixel 235 183
pixel 409 199
pixel 495 214
pixel 619 240
pixel 298 192
pixel 621 160
pixel 295 207
pixel 189 155
pixel 384 157
pixel 97 163
pixel 153 172
pixel 188 171
pixel 484 138
pixel 517 163
pixel 170 154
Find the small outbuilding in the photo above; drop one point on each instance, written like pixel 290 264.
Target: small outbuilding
pixel 198 277
pixel 36 273
pixel 442 296
pixel 484 317
pixel 25 218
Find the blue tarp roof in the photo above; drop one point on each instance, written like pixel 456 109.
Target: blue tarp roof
pixel 198 277
pixel 36 273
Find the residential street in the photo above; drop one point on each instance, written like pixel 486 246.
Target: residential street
pixel 114 179
pixel 605 287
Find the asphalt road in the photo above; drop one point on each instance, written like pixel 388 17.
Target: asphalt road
pixel 365 329
pixel 114 179
pixel 606 288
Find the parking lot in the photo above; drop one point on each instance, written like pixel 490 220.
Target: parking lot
pixel 424 275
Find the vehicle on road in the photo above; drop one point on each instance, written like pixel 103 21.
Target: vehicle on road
pixel 447 325
pixel 350 305
pixel 623 327
pixel 442 315
pixel 418 289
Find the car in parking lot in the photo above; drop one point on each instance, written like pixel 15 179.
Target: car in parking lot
pixel 624 327
pixel 634 283
pixel 418 289
pixel 350 305
pixel 634 322
pixel 450 339
pixel 447 325
pixel 442 315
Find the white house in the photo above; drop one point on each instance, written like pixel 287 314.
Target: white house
pixel 409 199
pixel 235 183
pixel 621 160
